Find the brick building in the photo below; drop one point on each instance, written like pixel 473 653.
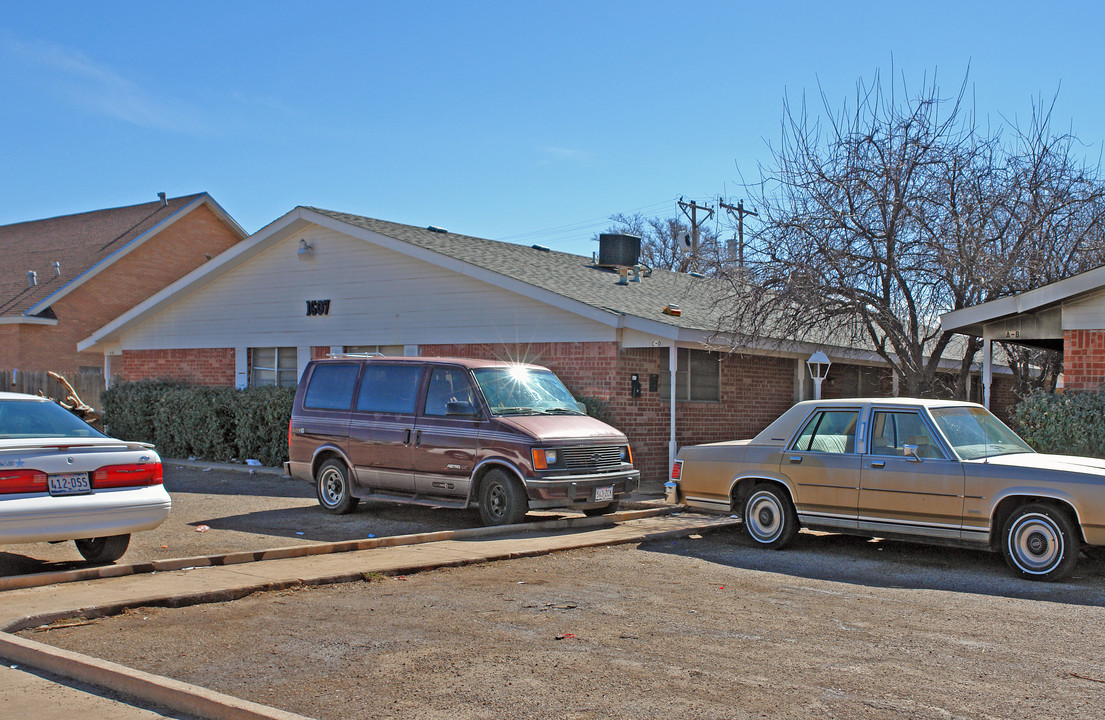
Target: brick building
pixel 65 277
pixel 316 281
pixel 1068 315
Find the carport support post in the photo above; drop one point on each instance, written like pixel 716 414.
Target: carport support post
pixel 987 370
pixel 673 361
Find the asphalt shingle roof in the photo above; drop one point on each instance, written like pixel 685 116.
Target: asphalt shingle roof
pixel 76 242
pixel 571 276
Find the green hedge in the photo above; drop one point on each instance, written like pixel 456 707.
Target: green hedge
pixel 1070 423
pixel 213 423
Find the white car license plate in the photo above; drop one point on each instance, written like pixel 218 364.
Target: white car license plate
pixel 604 493
pixel 69 484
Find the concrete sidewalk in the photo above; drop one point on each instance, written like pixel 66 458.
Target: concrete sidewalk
pixel 219 581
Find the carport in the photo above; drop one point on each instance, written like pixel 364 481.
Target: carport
pixel 1068 316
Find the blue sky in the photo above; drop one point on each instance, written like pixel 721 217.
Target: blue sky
pixel 521 121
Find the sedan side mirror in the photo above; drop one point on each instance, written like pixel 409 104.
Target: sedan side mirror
pixel 911 452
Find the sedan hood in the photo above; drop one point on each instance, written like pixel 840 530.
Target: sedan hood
pixel 1042 461
pixel 558 428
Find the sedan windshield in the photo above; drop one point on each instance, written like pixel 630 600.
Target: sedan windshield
pixel 975 433
pixel 35 419
pixel 524 391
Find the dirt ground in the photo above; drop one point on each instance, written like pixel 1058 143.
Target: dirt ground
pixel 709 627
pixel 242 512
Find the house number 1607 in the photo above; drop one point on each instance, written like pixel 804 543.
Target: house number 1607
pixel 318 307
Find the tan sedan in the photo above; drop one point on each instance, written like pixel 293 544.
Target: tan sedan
pixel 924 470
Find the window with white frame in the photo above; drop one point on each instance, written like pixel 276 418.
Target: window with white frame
pixel 388 350
pixel 697 376
pixel 273 366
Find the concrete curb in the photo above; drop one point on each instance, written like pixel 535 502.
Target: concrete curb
pixel 152 689
pixel 16 582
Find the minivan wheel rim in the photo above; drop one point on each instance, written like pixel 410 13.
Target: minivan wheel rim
pixel 332 486
pixel 764 517
pixel 1036 544
pixel 497 501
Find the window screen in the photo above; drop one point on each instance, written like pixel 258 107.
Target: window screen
pixel 697 378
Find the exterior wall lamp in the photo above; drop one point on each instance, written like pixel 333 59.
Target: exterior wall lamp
pixel 818 364
pixel 306 249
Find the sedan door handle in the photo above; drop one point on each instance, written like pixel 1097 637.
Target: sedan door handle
pixel 796 458
pixel 878 464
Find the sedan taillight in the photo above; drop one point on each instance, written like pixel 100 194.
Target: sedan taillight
pixel 127 475
pixel 22 481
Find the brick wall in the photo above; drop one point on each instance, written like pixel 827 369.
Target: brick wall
pixel 164 258
pixel 1083 359
pixel 202 366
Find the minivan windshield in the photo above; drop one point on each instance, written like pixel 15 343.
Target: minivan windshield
pixel 519 390
pixel 975 433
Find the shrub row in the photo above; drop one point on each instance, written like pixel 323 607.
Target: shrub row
pixel 1071 423
pixel 213 423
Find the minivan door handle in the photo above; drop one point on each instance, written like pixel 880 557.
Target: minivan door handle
pixel 407 437
pixel 417 437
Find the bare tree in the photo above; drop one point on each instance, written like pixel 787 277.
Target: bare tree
pixel 877 218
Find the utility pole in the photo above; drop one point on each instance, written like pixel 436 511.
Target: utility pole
pixel 740 212
pixel 695 224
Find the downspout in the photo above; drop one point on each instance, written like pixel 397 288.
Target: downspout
pixel 673 361
pixel 987 370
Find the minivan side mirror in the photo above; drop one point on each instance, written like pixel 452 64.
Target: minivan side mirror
pixel 462 408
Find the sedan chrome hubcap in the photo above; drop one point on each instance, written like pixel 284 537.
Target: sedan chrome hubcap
pixel 764 517
pixel 1036 543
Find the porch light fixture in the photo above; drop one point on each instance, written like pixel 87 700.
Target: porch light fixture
pixel 306 249
pixel 819 368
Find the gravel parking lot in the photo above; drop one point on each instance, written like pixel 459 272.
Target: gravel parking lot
pixel 699 628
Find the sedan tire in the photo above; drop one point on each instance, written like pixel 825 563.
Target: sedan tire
pixel 103 550
pixel 1040 542
pixel 769 517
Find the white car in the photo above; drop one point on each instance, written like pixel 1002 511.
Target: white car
pixel 61 479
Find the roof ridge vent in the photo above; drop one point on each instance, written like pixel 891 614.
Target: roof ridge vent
pixel 32 278
pixel 436 229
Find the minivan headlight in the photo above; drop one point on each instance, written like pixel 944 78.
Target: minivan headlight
pixel 543 458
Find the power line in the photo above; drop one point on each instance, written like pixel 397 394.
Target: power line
pixel 572 231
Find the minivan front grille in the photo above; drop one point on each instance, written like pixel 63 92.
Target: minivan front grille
pixel 607 457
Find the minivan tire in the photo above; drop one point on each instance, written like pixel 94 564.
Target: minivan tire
pixel 332 488
pixel 502 500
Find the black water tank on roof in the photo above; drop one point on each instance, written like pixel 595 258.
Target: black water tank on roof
pixel 619 250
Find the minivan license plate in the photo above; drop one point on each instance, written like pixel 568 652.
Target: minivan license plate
pixel 69 484
pixel 604 493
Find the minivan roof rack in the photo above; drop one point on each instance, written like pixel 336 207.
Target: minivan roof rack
pixel 355 355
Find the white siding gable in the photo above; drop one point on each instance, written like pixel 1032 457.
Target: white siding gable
pixel 377 297
pixel 1086 313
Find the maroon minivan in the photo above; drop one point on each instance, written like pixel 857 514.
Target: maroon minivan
pixel 453 432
